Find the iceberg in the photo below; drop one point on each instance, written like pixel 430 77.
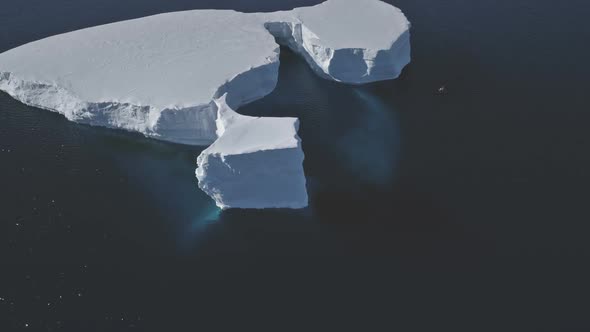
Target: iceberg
pixel 179 77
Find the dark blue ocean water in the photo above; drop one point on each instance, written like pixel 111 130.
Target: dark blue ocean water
pixel 462 211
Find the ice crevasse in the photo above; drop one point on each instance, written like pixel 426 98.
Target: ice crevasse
pixel 180 77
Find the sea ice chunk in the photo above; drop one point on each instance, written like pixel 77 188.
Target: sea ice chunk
pixel 255 163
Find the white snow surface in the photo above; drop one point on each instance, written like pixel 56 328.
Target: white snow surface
pixel 165 76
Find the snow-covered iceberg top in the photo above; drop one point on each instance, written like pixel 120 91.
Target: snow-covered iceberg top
pixel 164 76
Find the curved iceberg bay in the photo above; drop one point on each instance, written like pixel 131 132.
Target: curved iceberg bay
pixel 179 77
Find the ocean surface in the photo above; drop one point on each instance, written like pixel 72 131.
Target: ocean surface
pixel 466 210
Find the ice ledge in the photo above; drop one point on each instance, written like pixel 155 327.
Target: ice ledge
pixel 256 162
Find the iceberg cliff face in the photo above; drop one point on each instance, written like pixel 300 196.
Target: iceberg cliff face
pixel 177 77
pixel 255 163
pixel 349 41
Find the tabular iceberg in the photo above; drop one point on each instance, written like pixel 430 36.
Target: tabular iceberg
pixel 178 77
